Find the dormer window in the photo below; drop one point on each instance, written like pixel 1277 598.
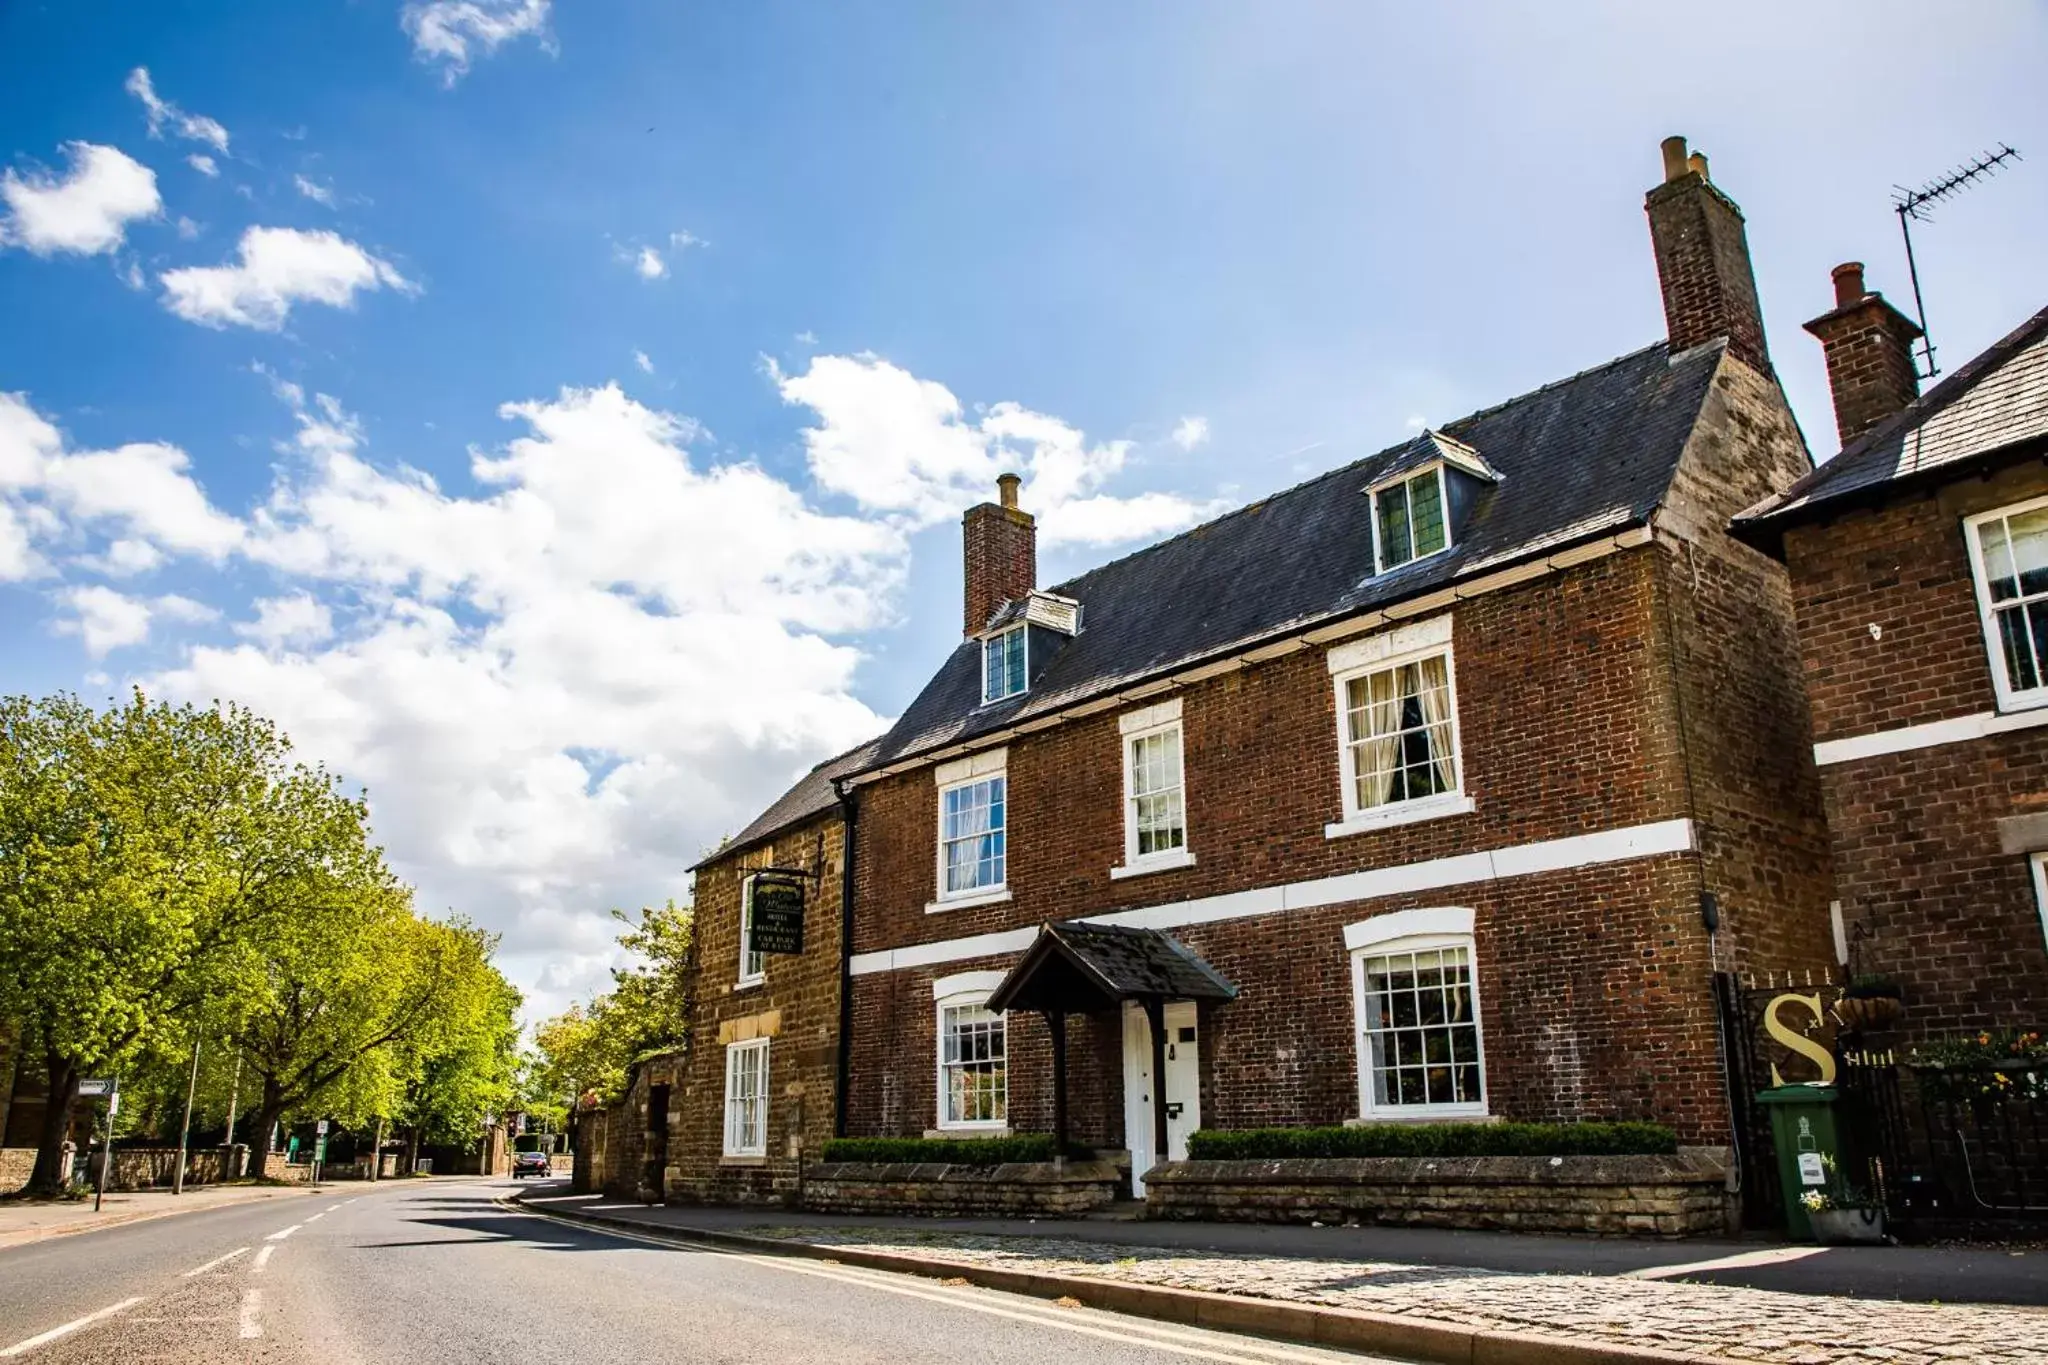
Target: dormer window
pixel 1408 519
pixel 1003 664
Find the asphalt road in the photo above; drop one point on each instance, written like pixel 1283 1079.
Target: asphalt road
pixel 437 1273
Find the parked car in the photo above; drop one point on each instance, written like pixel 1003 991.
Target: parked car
pixel 529 1163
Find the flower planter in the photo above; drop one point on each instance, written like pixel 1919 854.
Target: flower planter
pixel 1847 1227
pixel 1860 1012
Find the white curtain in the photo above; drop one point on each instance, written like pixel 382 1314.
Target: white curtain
pixel 1375 709
pixel 1436 714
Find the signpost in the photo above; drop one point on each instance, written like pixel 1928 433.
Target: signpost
pixel 319 1148
pixel 111 1091
pixel 777 923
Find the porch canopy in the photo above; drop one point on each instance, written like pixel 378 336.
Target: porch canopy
pixel 1077 968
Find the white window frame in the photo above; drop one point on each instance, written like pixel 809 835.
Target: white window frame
pixel 753 966
pixel 1019 630
pixel 2009 698
pixel 968 990
pixel 1407 931
pixel 1376 654
pixel 966 772
pixel 1443 494
pixel 734 1145
pixel 1133 726
pixel 2037 863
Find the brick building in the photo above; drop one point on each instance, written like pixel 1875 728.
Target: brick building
pixel 1457 771
pixel 759 1081
pixel 1918 559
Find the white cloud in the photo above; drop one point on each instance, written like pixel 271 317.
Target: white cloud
pixel 646 366
pixel 649 264
pixel 191 127
pixel 450 32
pixel 104 619
pixel 1190 432
pixel 86 212
pixel 203 164
pixel 300 619
pixel 17 559
pixel 901 445
pixel 807 338
pixel 188 230
pixel 683 241
pixel 313 190
pixel 278 267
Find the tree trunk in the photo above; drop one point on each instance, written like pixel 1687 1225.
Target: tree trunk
pixel 412 1150
pixel 268 1110
pixel 47 1179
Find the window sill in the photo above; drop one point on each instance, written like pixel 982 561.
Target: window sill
pixel 1158 862
pixel 731 1160
pixel 965 1132
pixel 1459 1114
pixel 995 896
pixel 749 983
pixel 1404 813
pixel 2023 702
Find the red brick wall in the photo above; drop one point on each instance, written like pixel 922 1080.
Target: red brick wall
pixel 999 554
pixel 803 1058
pixel 1918 863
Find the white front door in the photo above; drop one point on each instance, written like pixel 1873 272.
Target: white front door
pixel 1183 1086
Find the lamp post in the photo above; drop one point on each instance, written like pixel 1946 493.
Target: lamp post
pixel 185 1129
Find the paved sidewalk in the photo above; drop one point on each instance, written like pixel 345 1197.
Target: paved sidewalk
pixel 1618 1310
pixel 29 1221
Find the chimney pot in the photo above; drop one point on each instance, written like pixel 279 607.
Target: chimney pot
pixel 1849 283
pixel 1674 158
pixel 1006 486
pixel 1697 163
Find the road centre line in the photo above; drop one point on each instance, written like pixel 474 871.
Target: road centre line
pixel 1739 1261
pixel 252 1302
pixel 332 1207
pixel 262 1258
pixel 317 1217
pixel 280 1236
pixel 218 1260
pixel 45 1338
pixel 1131 1333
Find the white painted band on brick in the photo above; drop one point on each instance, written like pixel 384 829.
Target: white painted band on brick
pixel 1519 860
pixel 1447 921
pixel 1907 738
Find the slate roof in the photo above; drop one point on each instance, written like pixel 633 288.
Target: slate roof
pixel 811 797
pixel 1588 456
pixel 1116 962
pixel 1995 402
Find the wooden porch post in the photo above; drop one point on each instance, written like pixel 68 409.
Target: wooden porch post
pixel 1155 1015
pixel 1057 1021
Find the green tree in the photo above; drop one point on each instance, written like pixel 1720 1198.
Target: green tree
pixel 141 847
pixel 589 1048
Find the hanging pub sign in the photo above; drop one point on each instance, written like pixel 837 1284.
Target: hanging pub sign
pixel 776 924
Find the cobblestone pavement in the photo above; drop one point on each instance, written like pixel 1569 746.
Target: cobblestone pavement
pixel 1704 1320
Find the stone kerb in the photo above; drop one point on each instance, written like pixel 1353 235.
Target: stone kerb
pixel 1035 1189
pixel 1643 1196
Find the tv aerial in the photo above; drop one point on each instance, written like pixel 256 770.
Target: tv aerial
pixel 1913 205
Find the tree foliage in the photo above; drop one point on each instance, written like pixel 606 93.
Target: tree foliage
pixel 588 1049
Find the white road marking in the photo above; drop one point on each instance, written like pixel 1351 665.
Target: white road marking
pixel 317 1217
pixel 45 1338
pixel 262 1259
pixel 252 1302
pixel 218 1260
pixel 1741 1260
pixel 280 1236
pixel 332 1207
pixel 1132 1332
pixel 557 1198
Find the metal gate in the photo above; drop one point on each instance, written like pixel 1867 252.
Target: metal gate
pixel 1955 1146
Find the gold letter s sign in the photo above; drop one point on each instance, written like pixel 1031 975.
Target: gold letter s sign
pixel 1798 1042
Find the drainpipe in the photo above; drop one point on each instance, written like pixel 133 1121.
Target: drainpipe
pixel 849 810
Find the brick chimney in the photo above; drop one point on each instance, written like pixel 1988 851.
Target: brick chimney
pixel 1703 260
pixel 1000 545
pixel 1869 348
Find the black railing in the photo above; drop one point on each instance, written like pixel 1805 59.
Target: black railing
pixel 1986 1127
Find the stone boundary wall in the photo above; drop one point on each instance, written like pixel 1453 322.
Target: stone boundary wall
pixel 17 1164
pixel 1637 1196
pixel 1034 1189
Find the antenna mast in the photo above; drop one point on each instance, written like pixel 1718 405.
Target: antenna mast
pixel 1912 204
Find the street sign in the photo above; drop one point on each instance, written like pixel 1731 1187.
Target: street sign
pixel 321 1128
pixel 94 1089
pixel 778 913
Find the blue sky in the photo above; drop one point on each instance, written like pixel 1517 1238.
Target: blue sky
pixel 559 416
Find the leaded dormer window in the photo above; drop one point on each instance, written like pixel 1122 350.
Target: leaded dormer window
pixel 1004 664
pixel 1408 519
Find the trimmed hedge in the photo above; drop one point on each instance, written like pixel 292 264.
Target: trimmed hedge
pixel 996 1151
pixel 1435 1139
